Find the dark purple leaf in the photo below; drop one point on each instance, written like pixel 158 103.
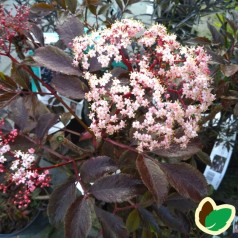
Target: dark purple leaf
pixel 120 73
pixel 128 11
pixel 20 115
pixel 127 162
pixel 78 220
pixel 21 143
pixel 179 202
pixel 148 219
pixel 60 200
pixel 232 23
pixel 187 180
pixel 69 86
pixel 175 151
pixel 153 177
pixel 171 220
pixel 112 224
pixel 200 40
pixel 37 32
pixel 55 59
pixel 97 167
pixel 45 122
pixel 216 36
pixel 116 188
pixel 94 65
pixel 215 57
pixel 69 29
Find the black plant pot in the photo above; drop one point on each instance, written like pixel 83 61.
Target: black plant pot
pixel 38 222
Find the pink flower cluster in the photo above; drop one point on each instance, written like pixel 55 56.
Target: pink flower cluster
pixel 23 173
pixel 12 24
pixel 17 168
pixel 167 89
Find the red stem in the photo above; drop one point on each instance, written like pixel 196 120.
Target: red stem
pixel 120 144
pixel 126 61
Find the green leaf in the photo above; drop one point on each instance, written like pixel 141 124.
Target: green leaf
pixel 72 5
pixel 103 9
pixel 55 59
pixel 92 2
pixel 20 76
pixel 133 221
pixel 41 9
pixel 204 157
pixel 61 3
pixel 120 4
pixel 146 233
pixel 93 9
pixel 217 219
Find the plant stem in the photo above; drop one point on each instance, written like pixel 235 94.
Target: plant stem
pixel 65 158
pixel 54 93
pixel 42 197
pixel 120 145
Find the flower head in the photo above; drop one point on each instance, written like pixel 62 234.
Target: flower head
pixel 19 170
pixel 166 86
pixel 12 24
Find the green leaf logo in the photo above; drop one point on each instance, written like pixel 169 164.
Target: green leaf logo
pixel 213 219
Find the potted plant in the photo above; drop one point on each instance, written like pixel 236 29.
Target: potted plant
pixel 19 184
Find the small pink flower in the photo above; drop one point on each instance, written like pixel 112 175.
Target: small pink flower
pixel 31 151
